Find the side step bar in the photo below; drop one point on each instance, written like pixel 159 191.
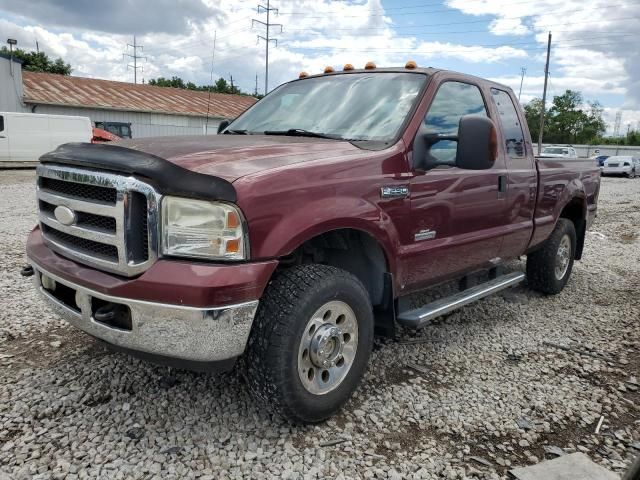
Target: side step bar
pixel 420 316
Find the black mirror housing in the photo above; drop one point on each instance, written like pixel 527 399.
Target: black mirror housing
pixel 223 124
pixel 477 143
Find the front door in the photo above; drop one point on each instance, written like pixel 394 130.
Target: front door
pixel 458 216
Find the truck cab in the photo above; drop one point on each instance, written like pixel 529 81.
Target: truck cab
pixel 299 232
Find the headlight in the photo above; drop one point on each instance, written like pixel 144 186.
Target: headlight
pixel 202 229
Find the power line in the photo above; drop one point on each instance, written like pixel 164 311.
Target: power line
pixel 461 48
pixel 405 7
pixel 135 57
pixel 440 10
pixel 268 9
pixel 446 24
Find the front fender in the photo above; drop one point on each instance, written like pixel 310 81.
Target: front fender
pixel 317 217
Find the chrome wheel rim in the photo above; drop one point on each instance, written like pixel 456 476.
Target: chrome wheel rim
pixel 327 347
pixel 563 257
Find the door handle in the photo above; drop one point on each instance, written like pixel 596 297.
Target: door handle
pixel 502 183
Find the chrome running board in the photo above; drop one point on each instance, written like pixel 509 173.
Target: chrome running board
pixel 420 316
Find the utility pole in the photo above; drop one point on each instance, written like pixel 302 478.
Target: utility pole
pixel 12 43
pixel 544 95
pixel 523 70
pixel 213 57
pixel 267 38
pixel 231 82
pixel 255 92
pixel 37 48
pixel 135 57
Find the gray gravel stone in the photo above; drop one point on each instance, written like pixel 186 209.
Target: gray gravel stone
pixel 79 410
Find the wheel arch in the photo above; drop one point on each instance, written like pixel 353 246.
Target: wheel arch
pixel 575 210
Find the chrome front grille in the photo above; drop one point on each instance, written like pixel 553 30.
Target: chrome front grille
pixel 115 218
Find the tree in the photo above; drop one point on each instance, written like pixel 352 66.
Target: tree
pixel 220 85
pixel 532 114
pixel 566 121
pixel 39 62
pixel 175 82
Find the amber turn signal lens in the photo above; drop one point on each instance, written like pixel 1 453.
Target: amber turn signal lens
pixel 411 65
pixel 347 67
pixel 370 66
pixel 303 75
pixel 232 220
pixel 233 246
pixel 328 69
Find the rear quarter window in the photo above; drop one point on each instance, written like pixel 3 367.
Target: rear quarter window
pixel 513 134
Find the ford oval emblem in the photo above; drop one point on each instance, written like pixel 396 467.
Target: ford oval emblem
pixel 64 215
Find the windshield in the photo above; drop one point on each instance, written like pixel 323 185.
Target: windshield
pixel 555 151
pixel 363 106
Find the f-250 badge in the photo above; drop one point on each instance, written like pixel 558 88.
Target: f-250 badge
pixel 394 192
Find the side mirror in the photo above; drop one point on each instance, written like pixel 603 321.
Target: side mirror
pixel 223 124
pixel 477 143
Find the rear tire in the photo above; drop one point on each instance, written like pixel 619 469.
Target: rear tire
pixel 310 342
pixel 549 268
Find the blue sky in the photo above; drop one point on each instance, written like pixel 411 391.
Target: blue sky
pixel 594 47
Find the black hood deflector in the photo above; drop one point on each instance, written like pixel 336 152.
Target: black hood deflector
pixel 167 177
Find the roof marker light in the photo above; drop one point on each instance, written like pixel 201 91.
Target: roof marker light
pixel 411 65
pixel 303 75
pixel 370 66
pixel 328 69
pixel 347 67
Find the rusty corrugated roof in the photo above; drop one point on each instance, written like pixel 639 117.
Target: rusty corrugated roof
pixel 51 89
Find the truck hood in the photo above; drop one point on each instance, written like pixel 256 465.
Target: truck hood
pixel 233 156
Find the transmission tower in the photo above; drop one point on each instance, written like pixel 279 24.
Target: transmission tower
pixel 267 39
pixel 135 57
pixel 616 127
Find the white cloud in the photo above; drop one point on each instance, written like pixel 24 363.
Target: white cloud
pixel 595 43
pixel 584 57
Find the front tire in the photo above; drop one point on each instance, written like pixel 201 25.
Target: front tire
pixel 549 268
pixel 310 342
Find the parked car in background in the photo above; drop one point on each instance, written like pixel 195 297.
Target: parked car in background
pixel 121 129
pixel 24 137
pixel 559 152
pixel 102 136
pixel 621 165
pixel 600 160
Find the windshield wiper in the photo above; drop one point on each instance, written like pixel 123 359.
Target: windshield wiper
pixel 236 132
pixel 299 132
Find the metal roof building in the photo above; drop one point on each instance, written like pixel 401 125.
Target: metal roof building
pixel 152 111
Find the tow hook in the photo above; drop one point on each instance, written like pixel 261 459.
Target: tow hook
pixel 27 271
pixel 114 315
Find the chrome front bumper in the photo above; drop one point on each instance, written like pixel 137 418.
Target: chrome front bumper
pixel 169 331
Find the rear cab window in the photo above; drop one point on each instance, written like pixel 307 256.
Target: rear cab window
pixel 1 123
pixel 452 101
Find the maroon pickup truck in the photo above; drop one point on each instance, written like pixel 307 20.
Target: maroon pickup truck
pixel 300 230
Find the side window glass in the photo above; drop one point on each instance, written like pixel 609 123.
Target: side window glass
pixel 452 101
pixel 513 135
pixel 1 123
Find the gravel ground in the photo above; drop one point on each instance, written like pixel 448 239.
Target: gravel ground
pixel 509 381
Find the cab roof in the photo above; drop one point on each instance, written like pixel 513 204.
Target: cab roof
pixel 429 71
